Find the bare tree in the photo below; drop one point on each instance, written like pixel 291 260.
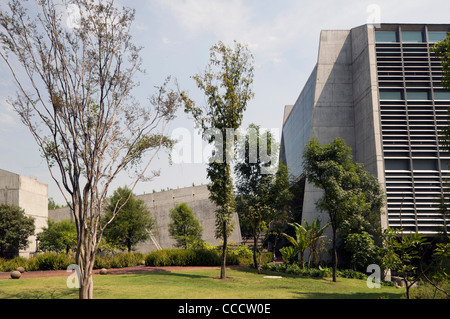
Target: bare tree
pixel 75 83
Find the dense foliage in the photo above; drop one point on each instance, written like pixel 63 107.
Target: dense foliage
pixel 15 228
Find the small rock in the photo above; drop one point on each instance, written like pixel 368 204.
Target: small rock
pixel 15 274
pixel 103 271
pixel 20 269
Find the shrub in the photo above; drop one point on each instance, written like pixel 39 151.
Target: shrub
pixel 288 253
pixel 348 273
pixel 157 258
pixel 118 260
pixel 49 261
pixel 126 259
pixel 102 262
pixel 242 251
pixel 294 269
pixel 274 267
pixel 187 257
pixel 12 264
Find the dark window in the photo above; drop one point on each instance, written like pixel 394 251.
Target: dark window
pixel 436 36
pixel 412 36
pixel 417 95
pixel 441 95
pixel 396 164
pixel 386 36
pixel 391 95
pixel 425 164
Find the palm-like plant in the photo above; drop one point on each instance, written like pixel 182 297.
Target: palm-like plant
pixel 301 242
pixel 315 233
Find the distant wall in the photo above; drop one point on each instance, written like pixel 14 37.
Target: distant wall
pixel 30 195
pixel 160 204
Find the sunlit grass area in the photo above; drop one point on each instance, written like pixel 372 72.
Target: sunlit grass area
pixel 198 284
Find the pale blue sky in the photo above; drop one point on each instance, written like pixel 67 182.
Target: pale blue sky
pixel 176 36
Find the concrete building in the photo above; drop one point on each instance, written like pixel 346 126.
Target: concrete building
pixel 160 204
pixel 380 90
pixel 30 195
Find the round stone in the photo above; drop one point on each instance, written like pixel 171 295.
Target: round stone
pixel 20 269
pixel 103 271
pixel 15 274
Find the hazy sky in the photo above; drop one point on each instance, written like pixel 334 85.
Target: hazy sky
pixel 177 34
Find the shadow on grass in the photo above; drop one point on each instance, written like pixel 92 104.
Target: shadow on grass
pixel 274 273
pixel 39 294
pixel 369 294
pixel 163 272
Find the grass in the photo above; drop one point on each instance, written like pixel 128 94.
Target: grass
pixel 197 284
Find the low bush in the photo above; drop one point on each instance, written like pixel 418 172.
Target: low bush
pixel 295 269
pixel 349 273
pixel 188 257
pixel 49 261
pixel 118 260
pixel 7 265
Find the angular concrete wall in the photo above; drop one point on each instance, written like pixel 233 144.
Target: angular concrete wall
pixel 30 195
pixel 345 105
pixel 368 140
pixel 160 204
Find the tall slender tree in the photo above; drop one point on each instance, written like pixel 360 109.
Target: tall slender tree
pixel 75 82
pixel 227 85
pixel 262 192
pixel 349 194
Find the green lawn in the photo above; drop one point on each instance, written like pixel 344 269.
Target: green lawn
pixel 197 284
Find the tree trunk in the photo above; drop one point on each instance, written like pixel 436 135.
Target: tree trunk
pixel 86 290
pixel 302 263
pixel 85 258
pixel 86 287
pixel 275 241
pixel 129 245
pixel 255 249
pixel 335 257
pixel 224 251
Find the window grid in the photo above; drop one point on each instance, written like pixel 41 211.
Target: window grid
pixel 410 132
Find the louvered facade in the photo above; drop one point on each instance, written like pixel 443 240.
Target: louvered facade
pixel 380 90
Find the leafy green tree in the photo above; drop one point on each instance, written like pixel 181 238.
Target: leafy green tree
pixel 15 228
pixel 261 196
pixel 226 83
pixel 347 188
pixel 58 236
pixel 442 50
pixel 52 205
pixel 133 222
pixel 75 95
pixel 184 227
pixel 367 218
pixel 362 249
pixel 400 252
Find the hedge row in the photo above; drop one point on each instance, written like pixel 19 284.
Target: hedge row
pixel 57 261
pixel 188 257
pixel 164 257
pixel 46 261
